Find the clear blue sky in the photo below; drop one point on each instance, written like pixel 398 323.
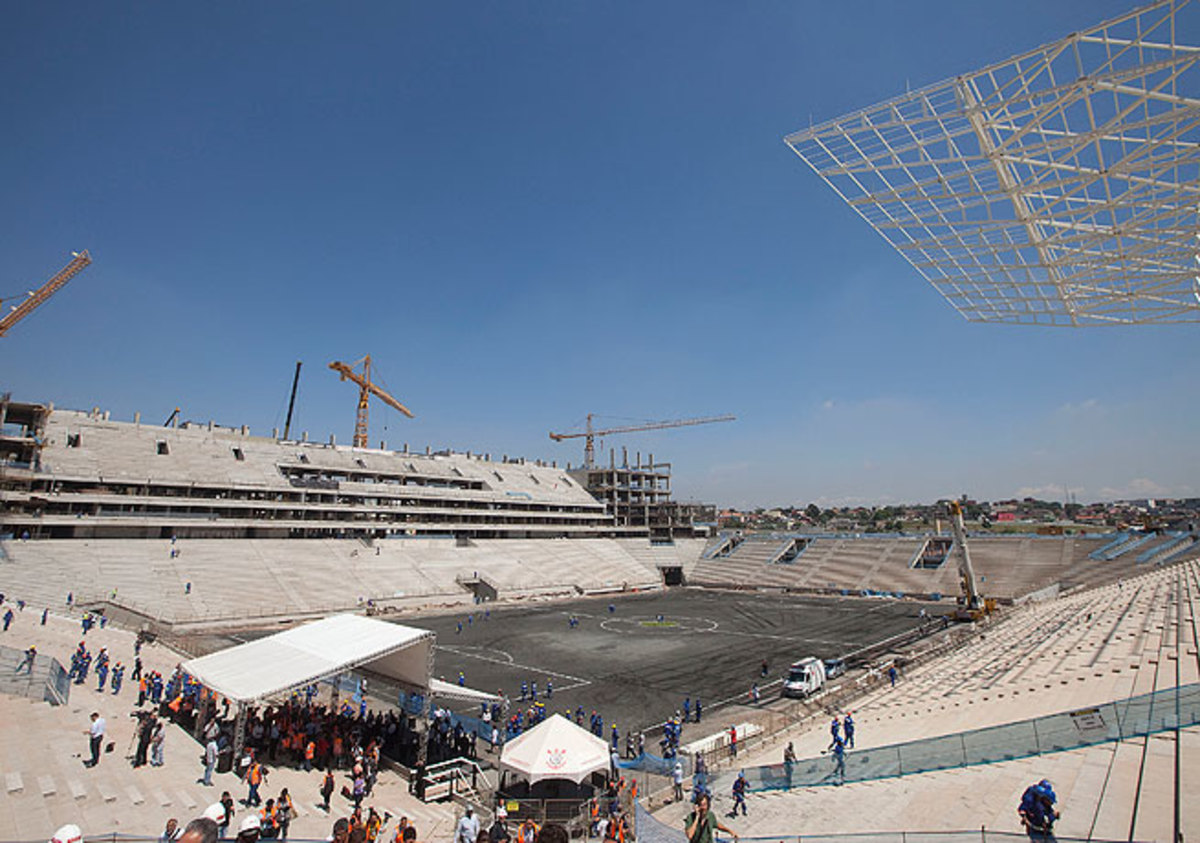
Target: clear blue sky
pixel 529 211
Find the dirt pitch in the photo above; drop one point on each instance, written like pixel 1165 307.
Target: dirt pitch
pixel 636 670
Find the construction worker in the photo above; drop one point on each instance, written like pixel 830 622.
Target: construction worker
pixel 739 794
pixel 527 831
pixel 254 777
pixel 839 759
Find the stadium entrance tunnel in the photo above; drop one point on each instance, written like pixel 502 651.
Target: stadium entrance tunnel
pixel 484 590
pixel 672 575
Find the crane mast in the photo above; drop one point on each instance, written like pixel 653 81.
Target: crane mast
pixel 37 297
pixel 590 433
pixel 966 571
pixel 366 388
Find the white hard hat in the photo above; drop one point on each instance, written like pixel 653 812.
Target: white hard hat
pixel 215 812
pixel 250 823
pixel 68 834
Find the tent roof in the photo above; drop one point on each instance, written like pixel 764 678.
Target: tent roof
pixel 448 690
pixel 555 749
pixel 300 656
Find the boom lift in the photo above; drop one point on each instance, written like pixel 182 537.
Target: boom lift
pixel 974 605
pixel 589 435
pixel 36 297
pixel 365 390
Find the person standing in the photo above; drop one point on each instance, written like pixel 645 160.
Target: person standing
pixel 227 802
pixel 677 781
pixel 468 828
pixel 145 731
pixel 284 811
pixel 171 833
pixel 702 823
pixel 95 734
pixel 499 831
pixel 739 795
pixel 848 728
pixel 210 761
pixel 27 661
pixel 733 741
pixel 327 789
pixel 8 619
pixel 157 737
pixel 839 760
pixel 254 778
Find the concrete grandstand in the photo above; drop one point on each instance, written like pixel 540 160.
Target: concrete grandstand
pixel 201 531
pixel 1099 645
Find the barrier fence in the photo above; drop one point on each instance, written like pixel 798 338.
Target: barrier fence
pixel 653 830
pixel 1147 714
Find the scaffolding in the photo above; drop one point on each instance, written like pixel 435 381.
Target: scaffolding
pixel 1059 187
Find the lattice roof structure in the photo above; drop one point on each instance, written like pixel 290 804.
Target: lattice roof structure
pixel 1059 187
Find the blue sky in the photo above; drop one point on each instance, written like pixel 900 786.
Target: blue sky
pixel 529 211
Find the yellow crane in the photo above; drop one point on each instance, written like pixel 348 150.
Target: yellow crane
pixel 589 435
pixel 365 390
pixel 35 297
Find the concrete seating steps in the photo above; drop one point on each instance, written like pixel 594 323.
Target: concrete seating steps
pixel 1088 647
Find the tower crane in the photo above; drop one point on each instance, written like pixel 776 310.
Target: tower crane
pixel 36 297
pixel 365 390
pixel 589 435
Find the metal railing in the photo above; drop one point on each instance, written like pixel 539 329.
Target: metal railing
pixel 652 830
pixel 1160 711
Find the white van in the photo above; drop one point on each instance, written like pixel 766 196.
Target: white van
pixel 804 678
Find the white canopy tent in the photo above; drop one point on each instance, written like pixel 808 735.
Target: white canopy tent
pixel 555 749
pixel 289 660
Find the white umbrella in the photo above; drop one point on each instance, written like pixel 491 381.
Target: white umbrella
pixel 555 749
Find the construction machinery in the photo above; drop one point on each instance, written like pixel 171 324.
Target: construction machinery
pixel 590 433
pixel 34 298
pixel 170 422
pixel 287 425
pixel 973 605
pixel 365 390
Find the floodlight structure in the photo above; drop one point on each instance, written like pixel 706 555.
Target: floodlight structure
pixel 1060 187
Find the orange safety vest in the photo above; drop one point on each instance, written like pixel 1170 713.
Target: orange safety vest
pixel 255 774
pixel 310 750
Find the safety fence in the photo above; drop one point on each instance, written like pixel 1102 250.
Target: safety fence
pixel 652 830
pixel 418 705
pixel 1147 714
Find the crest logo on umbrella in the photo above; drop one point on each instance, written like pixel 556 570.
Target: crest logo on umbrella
pixel 556 758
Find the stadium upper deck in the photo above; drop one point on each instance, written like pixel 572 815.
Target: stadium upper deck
pixel 72 474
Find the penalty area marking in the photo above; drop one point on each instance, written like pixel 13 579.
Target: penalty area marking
pixel 508 661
